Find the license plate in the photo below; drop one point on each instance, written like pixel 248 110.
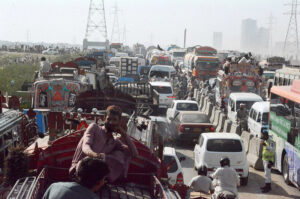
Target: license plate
pixel 197 129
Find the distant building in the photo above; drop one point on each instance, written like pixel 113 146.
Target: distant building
pixel 217 40
pixel 262 40
pixel 248 34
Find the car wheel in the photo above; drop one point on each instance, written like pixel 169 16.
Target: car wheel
pixel 244 181
pixel 285 170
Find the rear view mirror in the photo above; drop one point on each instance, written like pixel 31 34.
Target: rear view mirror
pixel 181 159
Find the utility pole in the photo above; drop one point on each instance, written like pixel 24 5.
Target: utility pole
pixel 291 43
pixel 184 39
pixel 115 28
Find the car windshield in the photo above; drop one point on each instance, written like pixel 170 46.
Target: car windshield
pixel 163 89
pixel 159 74
pixel 194 118
pixel 187 107
pixel 265 118
pixel 170 161
pixel 247 103
pixel 224 145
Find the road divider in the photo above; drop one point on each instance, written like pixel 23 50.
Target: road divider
pixel 222 119
pixel 227 126
pixel 246 137
pixel 216 119
pixel 212 117
pixel 255 153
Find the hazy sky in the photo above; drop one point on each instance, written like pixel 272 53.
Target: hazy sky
pixel 65 20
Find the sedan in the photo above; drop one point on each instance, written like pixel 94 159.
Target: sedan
pixel 189 125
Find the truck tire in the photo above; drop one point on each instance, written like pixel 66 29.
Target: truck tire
pixel 285 170
pixel 244 181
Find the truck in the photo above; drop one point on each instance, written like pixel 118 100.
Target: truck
pixel 202 62
pixel 177 54
pixel 147 174
pixel 238 76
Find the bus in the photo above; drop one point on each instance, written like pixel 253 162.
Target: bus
pixel 284 130
pixel 286 75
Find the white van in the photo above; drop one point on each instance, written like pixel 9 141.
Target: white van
pixel 258 118
pixel 235 99
pixel 166 93
pixel 161 72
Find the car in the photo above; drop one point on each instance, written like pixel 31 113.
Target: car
pixel 211 147
pixel 189 125
pixel 181 105
pixel 166 93
pixel 50 51
pixel 174 169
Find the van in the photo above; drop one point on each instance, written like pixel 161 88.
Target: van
pixel 161 72
pixel 166 93
pixel 258 118
pixel 235 99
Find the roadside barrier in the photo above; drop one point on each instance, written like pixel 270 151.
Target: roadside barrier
pixel 197 97
pixel 216 119
pixel 220 126
pixel 195 93
pixel 209 109
pixel 205 104
pixel 201 102
pixel 235 128
pixel 227 126
pixel 246 137
pixel 254 154
pixel 212 117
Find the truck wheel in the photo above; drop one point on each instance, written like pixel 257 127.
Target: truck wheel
pixel 244 181
pixel 285 170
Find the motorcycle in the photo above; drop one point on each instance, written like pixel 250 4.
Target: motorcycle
pixel 224 195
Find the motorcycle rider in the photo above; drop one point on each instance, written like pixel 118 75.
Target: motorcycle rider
pixel 226 181
pixel 202 183
pixel 242 117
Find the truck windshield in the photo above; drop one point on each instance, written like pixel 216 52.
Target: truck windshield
pixel 163 89
pixel 224 145
pixel 178 54
pixel 207 65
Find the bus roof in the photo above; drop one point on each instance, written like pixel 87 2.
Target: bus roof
pixel 289 92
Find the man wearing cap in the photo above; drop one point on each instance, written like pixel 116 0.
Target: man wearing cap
pixel 268 161
pixel 242 116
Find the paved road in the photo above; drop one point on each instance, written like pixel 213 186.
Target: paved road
pixel 256 179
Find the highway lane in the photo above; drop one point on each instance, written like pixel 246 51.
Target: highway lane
pixel 280 190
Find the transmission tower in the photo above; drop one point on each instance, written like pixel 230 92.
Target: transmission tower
pixel 96 24
pixel 291 45
pixel 115 28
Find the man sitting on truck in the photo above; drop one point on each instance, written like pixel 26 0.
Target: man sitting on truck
pixel 90 177
pixel 98 142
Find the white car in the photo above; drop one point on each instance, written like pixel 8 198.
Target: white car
pixel 166 93
pixel 50 51
pixel 175 172
pixel 211 147
pixel 181 105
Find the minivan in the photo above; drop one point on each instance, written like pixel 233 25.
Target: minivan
pixel 235 99
pixel 161 72
pixel 166 93
pixel 258 118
